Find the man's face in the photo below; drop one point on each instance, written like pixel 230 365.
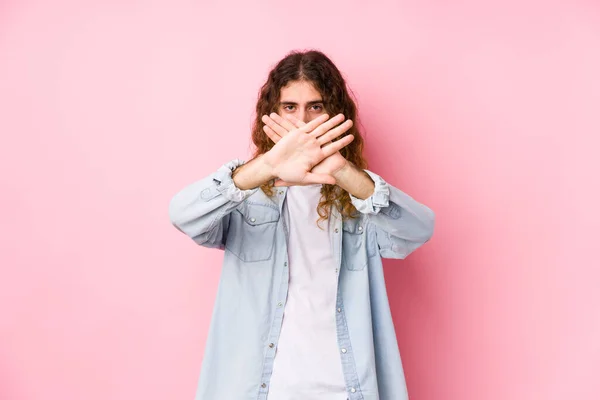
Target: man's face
pixel 302 100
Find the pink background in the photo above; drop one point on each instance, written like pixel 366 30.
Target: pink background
pixel 488 113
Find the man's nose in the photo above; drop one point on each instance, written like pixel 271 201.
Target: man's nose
pixel 304 116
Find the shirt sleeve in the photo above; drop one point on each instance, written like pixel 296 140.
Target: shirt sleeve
pixel 225 185
pixel 202 209
pixel 402 224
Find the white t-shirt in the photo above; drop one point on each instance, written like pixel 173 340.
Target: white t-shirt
pixel 307 363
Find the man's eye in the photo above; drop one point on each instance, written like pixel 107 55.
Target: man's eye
pixel 318 108
pixel 288 108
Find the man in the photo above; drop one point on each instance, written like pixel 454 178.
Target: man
pixel 301 311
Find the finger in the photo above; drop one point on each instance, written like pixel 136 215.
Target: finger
pixel 288 125
pixel 319 178
pixel 326 126
pixel 337 145
pixel 296 121
pixel 279 183
pixel 315 123
pixel 281 131
pixel 333 133
pixel 271 134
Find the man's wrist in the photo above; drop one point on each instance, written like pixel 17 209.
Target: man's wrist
pixel 342 172
pixel 266 168
pixel 355 181
pixel 252 174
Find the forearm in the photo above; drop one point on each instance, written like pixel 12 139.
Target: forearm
pixel 253 174
pixel 355 181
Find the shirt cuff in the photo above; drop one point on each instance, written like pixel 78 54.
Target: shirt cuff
pixel 225 185
pixel 378 200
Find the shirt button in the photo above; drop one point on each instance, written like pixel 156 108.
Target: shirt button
pixel 271 345
pixel 281 192
pixel 360 228
pixel 264 385
pixel 205 194
pixel 344 351
pixel 336 230
pixel 285 264
pixel 339 310
pixel 252 219
pixel 353 390
pixel 279 304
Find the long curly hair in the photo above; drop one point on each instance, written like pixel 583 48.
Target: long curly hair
pixel 315 67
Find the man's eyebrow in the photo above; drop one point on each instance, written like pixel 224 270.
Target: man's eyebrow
pixel 293 103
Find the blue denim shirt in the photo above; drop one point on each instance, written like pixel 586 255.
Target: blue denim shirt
pixel 252 230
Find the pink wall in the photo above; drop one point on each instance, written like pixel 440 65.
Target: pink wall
pixel 487 113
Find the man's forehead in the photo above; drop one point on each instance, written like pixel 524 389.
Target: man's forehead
pixel 300 92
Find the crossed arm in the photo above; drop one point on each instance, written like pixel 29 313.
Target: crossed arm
pixel 304 154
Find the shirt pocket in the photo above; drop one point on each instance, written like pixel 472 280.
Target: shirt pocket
pixel 252 230
pixel 354 244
